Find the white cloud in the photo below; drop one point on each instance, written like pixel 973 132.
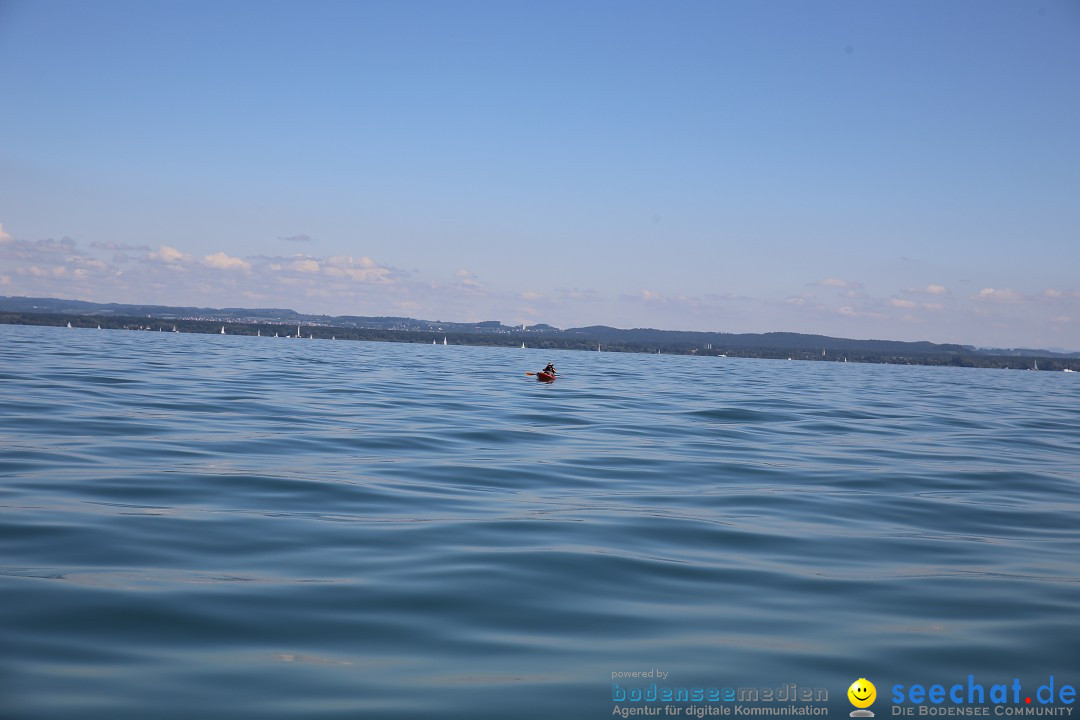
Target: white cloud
pixel 835 282
pixel 848 311
pixel 55 272
pixel 44 251
pixel 897 302
pixel 579 295
pixel 358 274
pixel 357 269
pixel 467 280
pixel 4 237
pixel 98 245
pixel 929 290
pixel 304 265
pixel 531 296
pixel 168 254
pixel 87 262
pixel 800 300
pixel 651 295
pixel 221 261
pixel 1006 295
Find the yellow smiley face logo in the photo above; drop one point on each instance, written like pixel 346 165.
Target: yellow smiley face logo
pixel 862 693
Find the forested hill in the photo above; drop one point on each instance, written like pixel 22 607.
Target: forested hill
pixel 797 342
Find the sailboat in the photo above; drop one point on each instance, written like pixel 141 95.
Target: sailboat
pixel 298 335
pixel 222 329
pixel 69 324
pixel 444 340
pixel 522 346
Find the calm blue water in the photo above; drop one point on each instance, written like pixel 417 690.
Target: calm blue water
pixel 216 526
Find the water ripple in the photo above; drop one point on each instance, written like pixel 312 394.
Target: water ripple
pixel 254 527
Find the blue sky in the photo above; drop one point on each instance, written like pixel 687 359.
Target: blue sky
pixel 902 170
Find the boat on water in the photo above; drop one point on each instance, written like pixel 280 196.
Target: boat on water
pixel 545 377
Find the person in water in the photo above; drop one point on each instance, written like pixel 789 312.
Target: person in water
pixel 550 369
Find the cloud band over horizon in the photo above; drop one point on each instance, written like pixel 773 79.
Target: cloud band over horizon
pixel 360 285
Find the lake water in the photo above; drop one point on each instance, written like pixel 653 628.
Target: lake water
pixel 206 526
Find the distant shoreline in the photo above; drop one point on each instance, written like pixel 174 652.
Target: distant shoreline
pixel 842 350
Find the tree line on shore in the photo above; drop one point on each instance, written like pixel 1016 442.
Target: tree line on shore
pixel 780 346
